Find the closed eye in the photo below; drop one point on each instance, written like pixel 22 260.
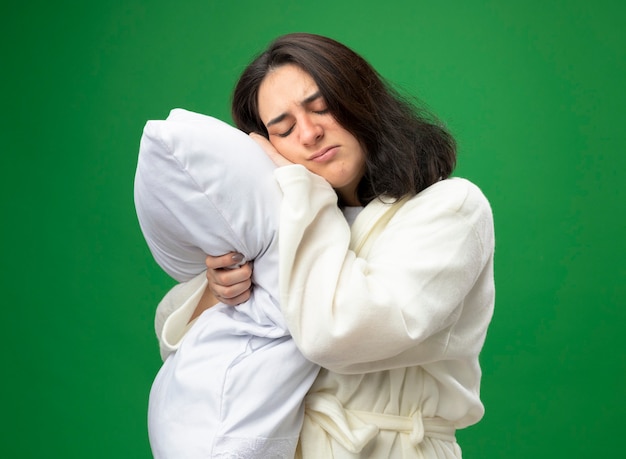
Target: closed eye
pixel 286 133
pixel 323 111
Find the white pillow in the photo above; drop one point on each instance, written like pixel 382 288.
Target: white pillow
pixel 204 187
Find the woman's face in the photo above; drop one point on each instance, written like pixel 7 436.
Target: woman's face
pixel 303 131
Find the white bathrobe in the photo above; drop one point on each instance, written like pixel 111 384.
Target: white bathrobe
pixel 395 310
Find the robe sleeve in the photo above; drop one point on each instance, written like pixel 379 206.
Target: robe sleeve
pixel 172 316
pixel 399 306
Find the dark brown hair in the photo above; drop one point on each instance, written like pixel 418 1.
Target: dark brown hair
pixel 406 149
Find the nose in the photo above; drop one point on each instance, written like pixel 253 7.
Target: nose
pixel 311 131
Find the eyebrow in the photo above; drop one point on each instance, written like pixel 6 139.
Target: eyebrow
pixel 282 116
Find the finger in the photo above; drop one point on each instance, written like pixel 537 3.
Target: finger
pixel 245 296
pixel 237 300
pixel 233 294
pixel 223 261
pixel 227 277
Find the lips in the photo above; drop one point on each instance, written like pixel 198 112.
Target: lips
pixel 325 154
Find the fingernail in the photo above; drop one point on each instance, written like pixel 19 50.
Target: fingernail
pixel 237 258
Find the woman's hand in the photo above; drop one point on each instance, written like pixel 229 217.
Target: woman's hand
pixel 270 151
pixel 229 280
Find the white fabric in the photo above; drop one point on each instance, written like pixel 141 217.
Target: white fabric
pixel 236 384
pixel 396 308
pixel 353 429
pixel 203 187
pixel 350 213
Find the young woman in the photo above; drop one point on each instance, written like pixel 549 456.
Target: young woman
pixel 386 263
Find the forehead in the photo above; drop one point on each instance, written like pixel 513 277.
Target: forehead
pixel 284 89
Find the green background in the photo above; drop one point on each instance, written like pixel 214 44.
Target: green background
pixel 534 92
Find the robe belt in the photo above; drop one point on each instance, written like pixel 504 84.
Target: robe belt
pixel 355 429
